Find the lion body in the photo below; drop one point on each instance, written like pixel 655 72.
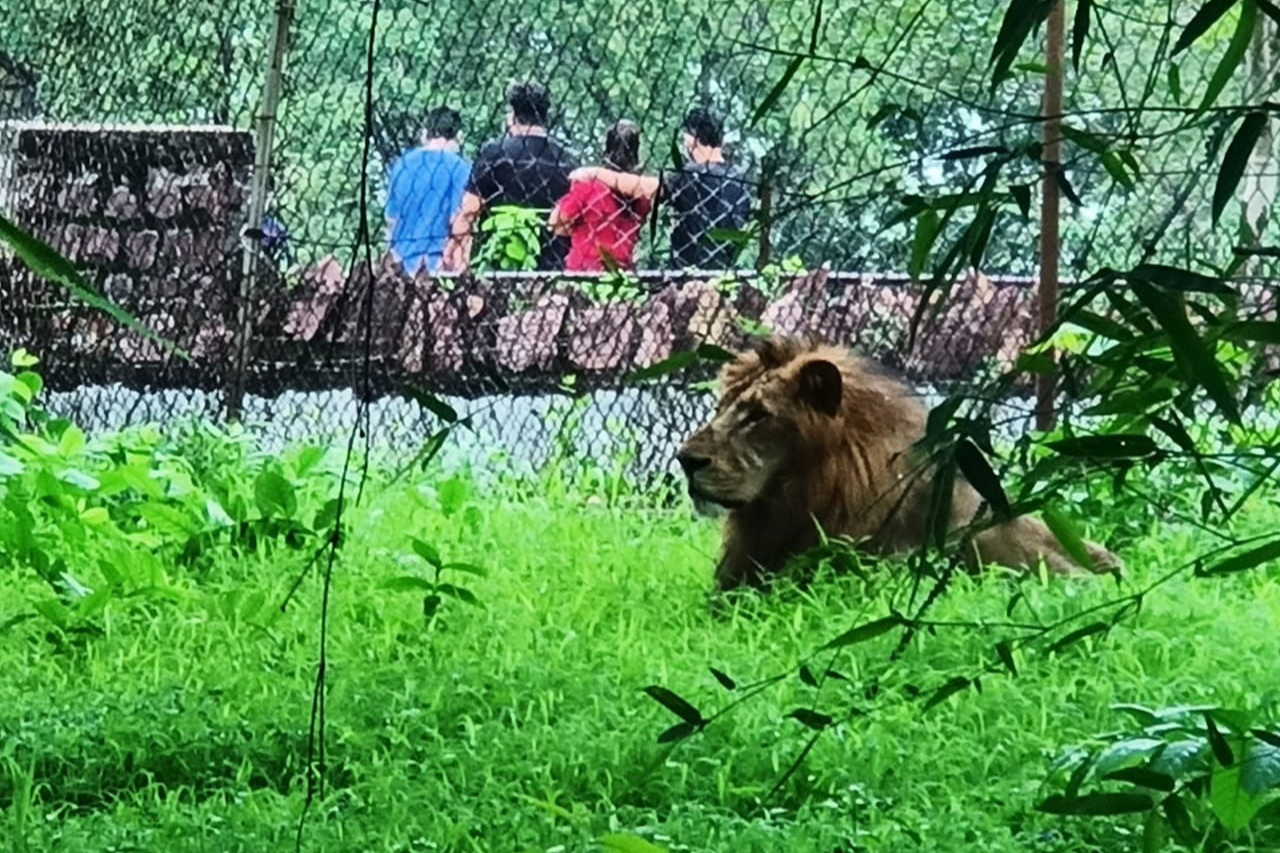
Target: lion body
pixel 852 471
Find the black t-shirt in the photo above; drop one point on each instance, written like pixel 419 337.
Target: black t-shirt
pixel 529 171
pixel 705 196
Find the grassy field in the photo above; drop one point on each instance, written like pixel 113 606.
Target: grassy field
pixel 520 725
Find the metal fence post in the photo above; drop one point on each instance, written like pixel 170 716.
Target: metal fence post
pixel 264 140
pixel 1050 243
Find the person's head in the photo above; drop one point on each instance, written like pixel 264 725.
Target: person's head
pixel 528 105
pixel 622 146
pixel 443 127
pixel 703 133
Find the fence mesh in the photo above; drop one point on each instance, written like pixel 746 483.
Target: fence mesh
pixel 129 142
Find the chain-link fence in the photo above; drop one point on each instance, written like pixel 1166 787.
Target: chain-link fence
pixel 782 146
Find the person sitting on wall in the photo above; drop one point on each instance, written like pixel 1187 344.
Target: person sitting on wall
pixel 526 168
pixel 705 195
pixel 424 190
pixel 602 223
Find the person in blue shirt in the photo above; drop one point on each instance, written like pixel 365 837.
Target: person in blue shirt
pixel 424 190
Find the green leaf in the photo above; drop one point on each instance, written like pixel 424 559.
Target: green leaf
pixel 1236 159
pixel 79 479
pixel 54 611
pixel 1260 770
pixel 1088 141
pixel 1197 360
pixel 274 495
pixel 725 681
pixel 678 361
pixel 1153 832
pixel 1221 749
pixel 1004 651
pixel 1236 50
pixel 811 718
pixel 432 403
pixel 1254 557
pixel 308 458
pixel 408 583
pixel 629 844
pixel 862 633
pixel 978 235
pixel 1175 278
pixel 427 552
pixel 466 568
pixel 1064 184
pixel 1114 164
pixel 972 151
pixel 926 231
pixel 1020 18
pixel 431 604
pixel 678 732
pixel 1174 79
pixel 1078 634
pixel 778 88
pixel 1080 30
pixel 1064 530
pixel 1231 803
pixel 1144 778
pixel 978 472
pixel 675 705
pixel 453 494
pixel 1115 446
pixel 1179 821
pixel 714 354
pixel 1097 804
pixel 1022 197
pixel 953 685
pixel 168 520
pixel 733 236
pixel 1176 433
pixel 72 441
pixel 1205 17
pixel 22 360
pixel 46 262
pixel 461 593
pixel 1254 331
pixel 1271 738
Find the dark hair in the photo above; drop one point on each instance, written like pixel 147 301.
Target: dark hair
pixel 529 102
pixel 622 152
pixel 622 146
pixel 443 123
pixel 704 126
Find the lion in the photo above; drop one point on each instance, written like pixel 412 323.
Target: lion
pixel 806 437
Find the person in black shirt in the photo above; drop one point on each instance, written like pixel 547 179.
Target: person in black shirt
pixel 705 195
pixel 526 168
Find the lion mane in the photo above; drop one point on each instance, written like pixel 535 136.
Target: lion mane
pixel 808 437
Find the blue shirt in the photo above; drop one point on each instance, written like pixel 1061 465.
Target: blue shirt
pixel 424 190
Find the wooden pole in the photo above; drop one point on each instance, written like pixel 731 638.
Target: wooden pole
pixel 264 141
pixel 1050 244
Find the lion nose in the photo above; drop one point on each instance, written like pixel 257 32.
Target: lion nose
pixel 691 463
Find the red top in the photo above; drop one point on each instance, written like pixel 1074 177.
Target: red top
pixel 599 220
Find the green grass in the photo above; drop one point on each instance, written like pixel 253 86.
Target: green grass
pixel 522 726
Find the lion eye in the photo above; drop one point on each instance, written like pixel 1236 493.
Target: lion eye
pixel 755 414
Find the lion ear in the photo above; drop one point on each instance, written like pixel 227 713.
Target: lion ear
pixel 822 386
pixel 773 352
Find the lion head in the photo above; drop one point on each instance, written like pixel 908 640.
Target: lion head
pixel 771 404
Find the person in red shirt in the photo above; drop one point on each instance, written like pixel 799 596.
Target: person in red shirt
pixel 599 221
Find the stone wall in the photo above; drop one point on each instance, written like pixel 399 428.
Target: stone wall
pixel 150 214
pixel 473 336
